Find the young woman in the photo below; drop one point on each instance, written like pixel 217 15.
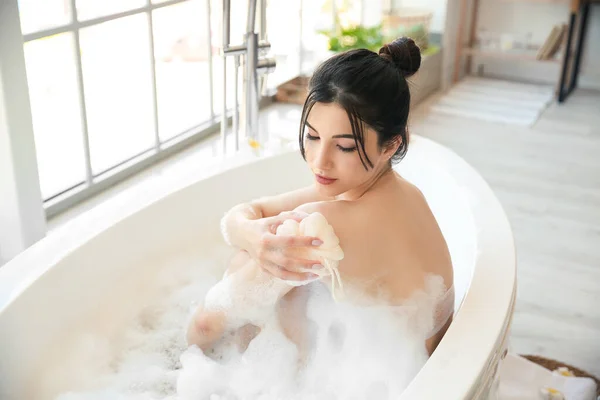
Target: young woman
pixel 353 129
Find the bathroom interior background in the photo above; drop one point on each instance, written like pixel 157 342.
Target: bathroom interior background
pixel 547 175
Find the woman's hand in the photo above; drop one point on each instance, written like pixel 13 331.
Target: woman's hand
pixel 275 254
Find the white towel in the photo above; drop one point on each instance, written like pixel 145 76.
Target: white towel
pixel 521 379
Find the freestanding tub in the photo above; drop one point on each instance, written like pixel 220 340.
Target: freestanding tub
pixel 96 272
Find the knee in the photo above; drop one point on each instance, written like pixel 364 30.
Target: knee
pixel 206 328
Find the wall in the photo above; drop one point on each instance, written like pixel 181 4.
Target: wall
pixel 22 219
pixel 537 18
pixel 519 17
pixel 428 80
pixel 438 7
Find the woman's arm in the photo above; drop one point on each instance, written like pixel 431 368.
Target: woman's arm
pixel 274 205
pixel 252 226
pixel 239 224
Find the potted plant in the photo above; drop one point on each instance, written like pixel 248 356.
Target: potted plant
pixel 354 37
pixel 343 38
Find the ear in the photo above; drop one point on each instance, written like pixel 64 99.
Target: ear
pixel 390 149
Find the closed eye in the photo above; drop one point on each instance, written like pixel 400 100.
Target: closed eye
pixel 346 149
pixel 342 148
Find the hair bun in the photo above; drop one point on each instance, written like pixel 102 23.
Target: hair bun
pixel 404 53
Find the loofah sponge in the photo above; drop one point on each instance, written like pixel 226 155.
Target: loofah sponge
pixel 329 253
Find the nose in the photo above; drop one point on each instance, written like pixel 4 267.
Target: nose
pixel 323 159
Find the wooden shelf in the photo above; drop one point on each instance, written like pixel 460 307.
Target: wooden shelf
pixel 516 55
pixel 539 1
pixel 507 55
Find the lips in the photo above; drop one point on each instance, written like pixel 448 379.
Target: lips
pixel 323 180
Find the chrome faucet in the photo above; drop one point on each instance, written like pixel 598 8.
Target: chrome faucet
pixel 253 72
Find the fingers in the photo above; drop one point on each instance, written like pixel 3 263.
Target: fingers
pixel 279 241
pixel 305 241
pixel 295 264
pixel 295 215
pixel 285 260
pixel 287 275
pixel 275 221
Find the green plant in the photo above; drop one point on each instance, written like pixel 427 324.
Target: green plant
pixel 354 37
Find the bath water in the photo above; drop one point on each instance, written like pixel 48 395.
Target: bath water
pixel 357 353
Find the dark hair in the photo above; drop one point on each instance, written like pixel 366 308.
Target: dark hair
pixel 373 90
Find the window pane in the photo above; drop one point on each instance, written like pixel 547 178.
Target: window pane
pixel 317 16
pixel 118 90
pixel 37 15
pixel 238 26
pixel 182 77
pixel 372 15
pixel 89 9
pixel 283 27
pixel 349 12
pixel 56 114
pixel 218 83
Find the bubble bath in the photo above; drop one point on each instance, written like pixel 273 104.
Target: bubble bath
pixel 71 306
pixel 357 352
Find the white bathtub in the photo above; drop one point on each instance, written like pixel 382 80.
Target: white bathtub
pixel 96 272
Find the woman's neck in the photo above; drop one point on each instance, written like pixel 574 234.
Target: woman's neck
pixel 378 179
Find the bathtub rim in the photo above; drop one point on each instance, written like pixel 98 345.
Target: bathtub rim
pixel 27 267
pixel 481 368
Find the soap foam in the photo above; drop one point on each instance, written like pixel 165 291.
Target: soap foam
pixel 358 352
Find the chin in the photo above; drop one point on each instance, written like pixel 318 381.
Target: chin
pixel 329 190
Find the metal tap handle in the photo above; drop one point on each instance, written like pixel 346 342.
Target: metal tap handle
pixel 225 44
pixel 266 66
pixel 226 23
pixel 241 49
pixel 251 16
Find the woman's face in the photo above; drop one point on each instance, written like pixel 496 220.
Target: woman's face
pixel 332 155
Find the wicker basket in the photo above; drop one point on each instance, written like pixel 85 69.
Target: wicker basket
pixel 553 365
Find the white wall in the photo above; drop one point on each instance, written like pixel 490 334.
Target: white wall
pixel 438 7
pixel 524 17
pixel 371 12
pixel 449 40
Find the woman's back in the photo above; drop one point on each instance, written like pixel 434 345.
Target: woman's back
pixel 390 239
pixel 392 244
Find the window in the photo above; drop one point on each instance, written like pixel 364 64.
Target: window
pixel 55 108
pixel 115 83
pixel 111 81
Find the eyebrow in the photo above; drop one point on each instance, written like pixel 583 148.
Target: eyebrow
pixel 344 136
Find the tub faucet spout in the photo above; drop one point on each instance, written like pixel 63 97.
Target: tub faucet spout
pixel 254 69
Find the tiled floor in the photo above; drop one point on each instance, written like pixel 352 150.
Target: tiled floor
pixel 548 179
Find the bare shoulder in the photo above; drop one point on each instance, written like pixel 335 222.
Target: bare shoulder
pixel 331 210
pixel 338 213
pixel 410 187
